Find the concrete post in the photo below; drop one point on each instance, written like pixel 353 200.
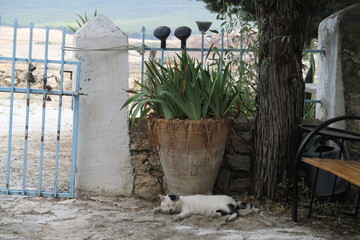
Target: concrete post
pixel 338 83
pixel 103 155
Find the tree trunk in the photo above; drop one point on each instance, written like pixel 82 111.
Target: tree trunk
pixel 280 97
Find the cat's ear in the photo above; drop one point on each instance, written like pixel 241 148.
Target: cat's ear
pixel 174 197
pixel 162 197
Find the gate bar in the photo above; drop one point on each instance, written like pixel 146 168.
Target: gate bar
pixel 11 106
pixel 41 91
pixel 17 59
pixel 35 193
pixel 43 112
pixel 59 116
pixel 76 101
pixel 27 114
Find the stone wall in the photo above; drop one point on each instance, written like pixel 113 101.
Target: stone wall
pixel 234 175
pixel 235 172
pixel 148 174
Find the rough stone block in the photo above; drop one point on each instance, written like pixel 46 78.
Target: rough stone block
pixel 241 143
pixel 147 186
pixel 223 181
pixel 139 161
pixel 354 99
pixel 243 126
pixel 239 162
pixel 140 142
pixel 240 185
pixel 139 126
pixel 154 161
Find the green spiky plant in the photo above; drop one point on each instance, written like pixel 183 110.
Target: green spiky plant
pixel 81 21
pixel 186 90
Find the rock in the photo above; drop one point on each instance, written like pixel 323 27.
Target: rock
pixel 21 76
pixel 66 202
pixel 53 83
pixel 138 161
pixel 22 85
pixel 67 85
pixel 41 210
pixel 147 186
pixel 154 161
pixel 65 213
pixel 243 126
pixel 240 184
pixel 239 162
pixel 241 143
pixel 140 126
pixel 223 181
pixel 7 81
pixel 140 141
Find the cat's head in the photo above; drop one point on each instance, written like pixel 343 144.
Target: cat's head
pixel 169 203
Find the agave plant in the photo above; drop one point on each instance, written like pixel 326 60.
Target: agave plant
pixel 185 90
pixel 82 20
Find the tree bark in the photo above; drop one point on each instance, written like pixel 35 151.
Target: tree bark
pixel 280 98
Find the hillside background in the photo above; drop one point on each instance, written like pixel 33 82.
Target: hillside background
pixel 128 15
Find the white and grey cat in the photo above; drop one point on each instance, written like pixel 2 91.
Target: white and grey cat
pixel 207 205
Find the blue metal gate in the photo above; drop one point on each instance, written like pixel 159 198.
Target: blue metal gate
pixel 38 164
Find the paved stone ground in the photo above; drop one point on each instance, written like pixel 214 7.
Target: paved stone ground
pixel 129 218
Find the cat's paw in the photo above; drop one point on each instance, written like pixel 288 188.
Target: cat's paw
pixel 256 210
pixel 215 215
pixel 232 217
pixel 178 218
pixel 156 210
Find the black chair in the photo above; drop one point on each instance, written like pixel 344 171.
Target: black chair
pixel 331 133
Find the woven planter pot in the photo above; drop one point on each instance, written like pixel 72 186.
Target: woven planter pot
pixel 190 152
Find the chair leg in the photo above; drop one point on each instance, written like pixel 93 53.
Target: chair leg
pixel 334 186
pixel 313 192
pixel 357 205
pixel 295 198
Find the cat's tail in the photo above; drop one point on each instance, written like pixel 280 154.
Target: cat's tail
pixel 245 208
pixel 241 209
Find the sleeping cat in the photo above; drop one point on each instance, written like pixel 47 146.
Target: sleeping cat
pixel 207 205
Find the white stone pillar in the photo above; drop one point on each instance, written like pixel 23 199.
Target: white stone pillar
pixel 329 85
pixel 103 156
pixel 338 83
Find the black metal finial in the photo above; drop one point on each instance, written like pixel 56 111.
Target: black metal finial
pixel 203 25
pixel 162 33
pixel 182 33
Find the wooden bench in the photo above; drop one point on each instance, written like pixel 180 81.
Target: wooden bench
pixel 348 170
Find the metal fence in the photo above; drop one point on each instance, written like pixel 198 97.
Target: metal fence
pixel 308 103
pixel 22 171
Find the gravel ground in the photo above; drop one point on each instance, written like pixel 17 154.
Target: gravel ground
pixel 129 218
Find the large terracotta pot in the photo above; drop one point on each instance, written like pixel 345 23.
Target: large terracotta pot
pixel 190 152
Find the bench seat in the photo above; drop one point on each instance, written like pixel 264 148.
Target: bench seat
pixel 348 170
